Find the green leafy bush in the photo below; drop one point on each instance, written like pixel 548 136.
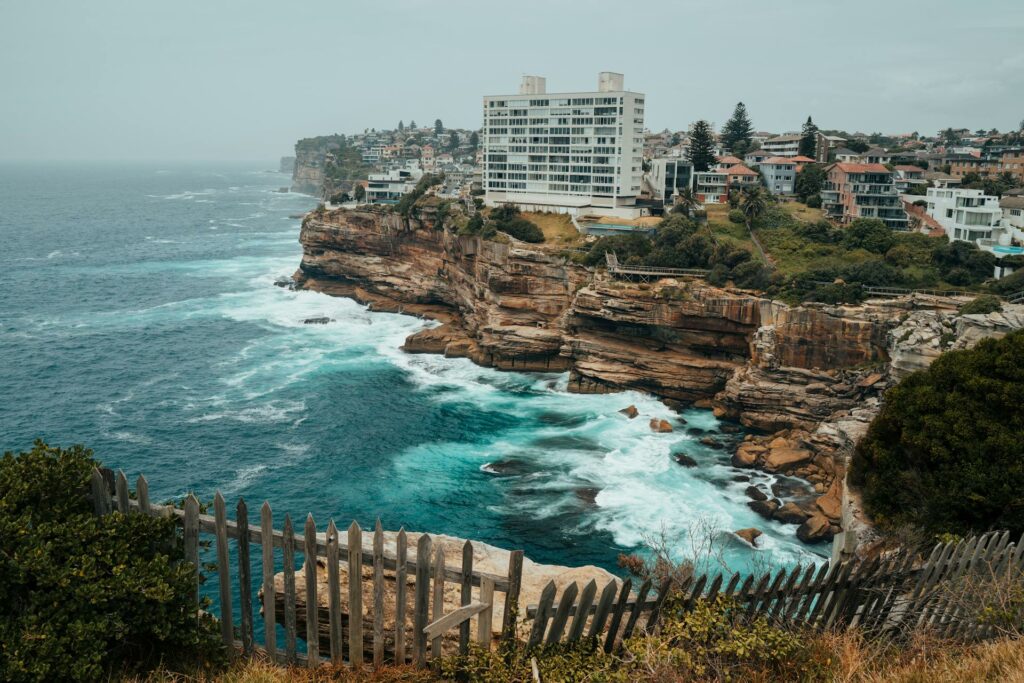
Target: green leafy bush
pixel 986 303
pixel 508 220
pixel 870 234
pixel 944 454
pixel 85 597
pixel 736 216
pixel 814 201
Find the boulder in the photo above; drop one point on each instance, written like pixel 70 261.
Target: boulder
pixel 786 458
pixel 755 493
pixel 746 455
pixel 660 426
pixel 729 428
pixel 630 411
pixel 685 460
pixel 831 503
pixel 711 443
pixel 815 528
pixel 790 513
pixel 749 535
pixel 765 508
pixel 319 320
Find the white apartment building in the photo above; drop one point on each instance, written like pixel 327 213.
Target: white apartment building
pixel 578 152
pixel 967 215
pixel 779 174
pixel 783 145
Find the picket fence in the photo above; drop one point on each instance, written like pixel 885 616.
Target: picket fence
pixel 896 592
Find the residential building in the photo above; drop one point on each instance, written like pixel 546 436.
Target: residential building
pixel 962 164
pixel 710 187
pixel 668 177
pixel 845 155
pixel 940 179
pixel 757 156
pixel 824 144
pixel 728 161
pixel 1011 161
pixel 783 145
pixel 779 175
pixel 800 160
pixel 907 176
pixel 876 155
pixel 575 152
pixel 739 176
pixel 966 214
pixel 388 187
pixel 1013 213
pixel 854 191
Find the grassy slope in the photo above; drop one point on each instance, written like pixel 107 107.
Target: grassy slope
pixel 557 228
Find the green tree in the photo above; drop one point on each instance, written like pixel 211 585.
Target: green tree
pixel 808 139
pixel 474 140
pixel 453 142
pixel 702 146
pixel 412 124
pixel 438 127
pixel 809 181
pixel 950 137
pixel 685 202
pixel 401 126
pixel 738 129
pixel 359 193
pixel 858 146
pixel 83 597
pixel 870 234
pixel 754 202
pixel 944 453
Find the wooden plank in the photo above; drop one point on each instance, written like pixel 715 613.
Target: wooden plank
pixel 561 617
pixel 466 596
pixel 645 588
pixel 401 543
pixel 227 634
pixel 696 592
pixel 755 595
pixel 100 495
pixel 799 592
pixel 269 599
pixel 582 611
pixel 438 607
pixel 713 589
pixel 334 595
pixel 620 607
pixel 378 595
pixel 779 609
pixel 484 622
pixel 142 495
pixel 421 600
pixel 663 591
pixel 190 536
pixel 458 616
pixel 515 582
pixel 540 622
pixel 822 592
pixel 121 489
pixel 828 612
pixel 312 600
pixel 355 597
pixel 244 580
pixel 288 565
pixel 604 607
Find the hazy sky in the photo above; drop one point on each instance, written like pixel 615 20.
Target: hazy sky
pixel 219 79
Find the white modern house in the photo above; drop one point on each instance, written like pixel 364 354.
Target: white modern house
pixel 783 145
pixel 973 216
pixel 388 187
pixel 779 175
pixel 576 152
pixel 668 177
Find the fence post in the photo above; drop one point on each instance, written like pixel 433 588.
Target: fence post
pixel 515 584
pixel 355 596
pixel 121 488
pixel 312 602
pixel 467 594
pixel 269 599
pixel 288 561
pixel 401 547
pixel 438 612
pixel 334 593
pixel 190 535
pixel 378 595
pixel 421 600
pixel 142 493
pixel 244 576
pixel 224 573
pixel 100 494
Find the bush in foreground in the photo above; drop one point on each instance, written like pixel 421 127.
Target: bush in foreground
pixel 84 597
pixel 944 454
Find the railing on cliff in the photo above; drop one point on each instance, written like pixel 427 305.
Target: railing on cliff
pixel 647 273
pixel 896 592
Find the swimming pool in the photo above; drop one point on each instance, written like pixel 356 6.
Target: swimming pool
pixel 1008 250
pixel 612 228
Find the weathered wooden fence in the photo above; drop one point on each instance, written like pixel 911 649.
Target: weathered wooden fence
pixel 899 591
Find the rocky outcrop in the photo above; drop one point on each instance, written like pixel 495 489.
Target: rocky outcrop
pixel 308 171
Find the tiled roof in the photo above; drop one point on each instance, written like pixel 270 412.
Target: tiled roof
pixel 861 168
pixel 739 169
pixel 800 159
pixel 780 160
pixel 731 160
pixel 1011 203
pixel 784 138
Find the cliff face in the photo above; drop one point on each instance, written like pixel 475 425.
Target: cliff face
pixel 308 172
pixel 517 306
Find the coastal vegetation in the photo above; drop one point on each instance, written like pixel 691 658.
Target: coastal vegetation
pixel 82 597
pixel 944 454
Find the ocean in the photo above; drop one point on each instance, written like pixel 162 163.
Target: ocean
pixel 139 317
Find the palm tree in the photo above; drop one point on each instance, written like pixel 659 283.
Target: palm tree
pixel 686 202
pixel 734 199
pixel 755 202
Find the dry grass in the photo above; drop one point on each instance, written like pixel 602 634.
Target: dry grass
pixel 557 228
pixel 262 671
pixel 802 212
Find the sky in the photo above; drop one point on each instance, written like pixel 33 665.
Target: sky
pixel 244 79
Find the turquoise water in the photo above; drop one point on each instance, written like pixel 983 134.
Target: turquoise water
pixel 1008 250
pixel 139 317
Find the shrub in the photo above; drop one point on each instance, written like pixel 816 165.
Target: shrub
pixel 736 216
pixel 900 256
pixel 508 220
pixel 84 597
pixel 986 303
pixel 624 246
pixel 751 275
pixel 944 452
pixel 814 201
pixel 838 293
pixel 719 275
pixel 870 234
pixel 1010 284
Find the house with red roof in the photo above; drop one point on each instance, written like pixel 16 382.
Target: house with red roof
pixel 739 176
pixel 853 191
